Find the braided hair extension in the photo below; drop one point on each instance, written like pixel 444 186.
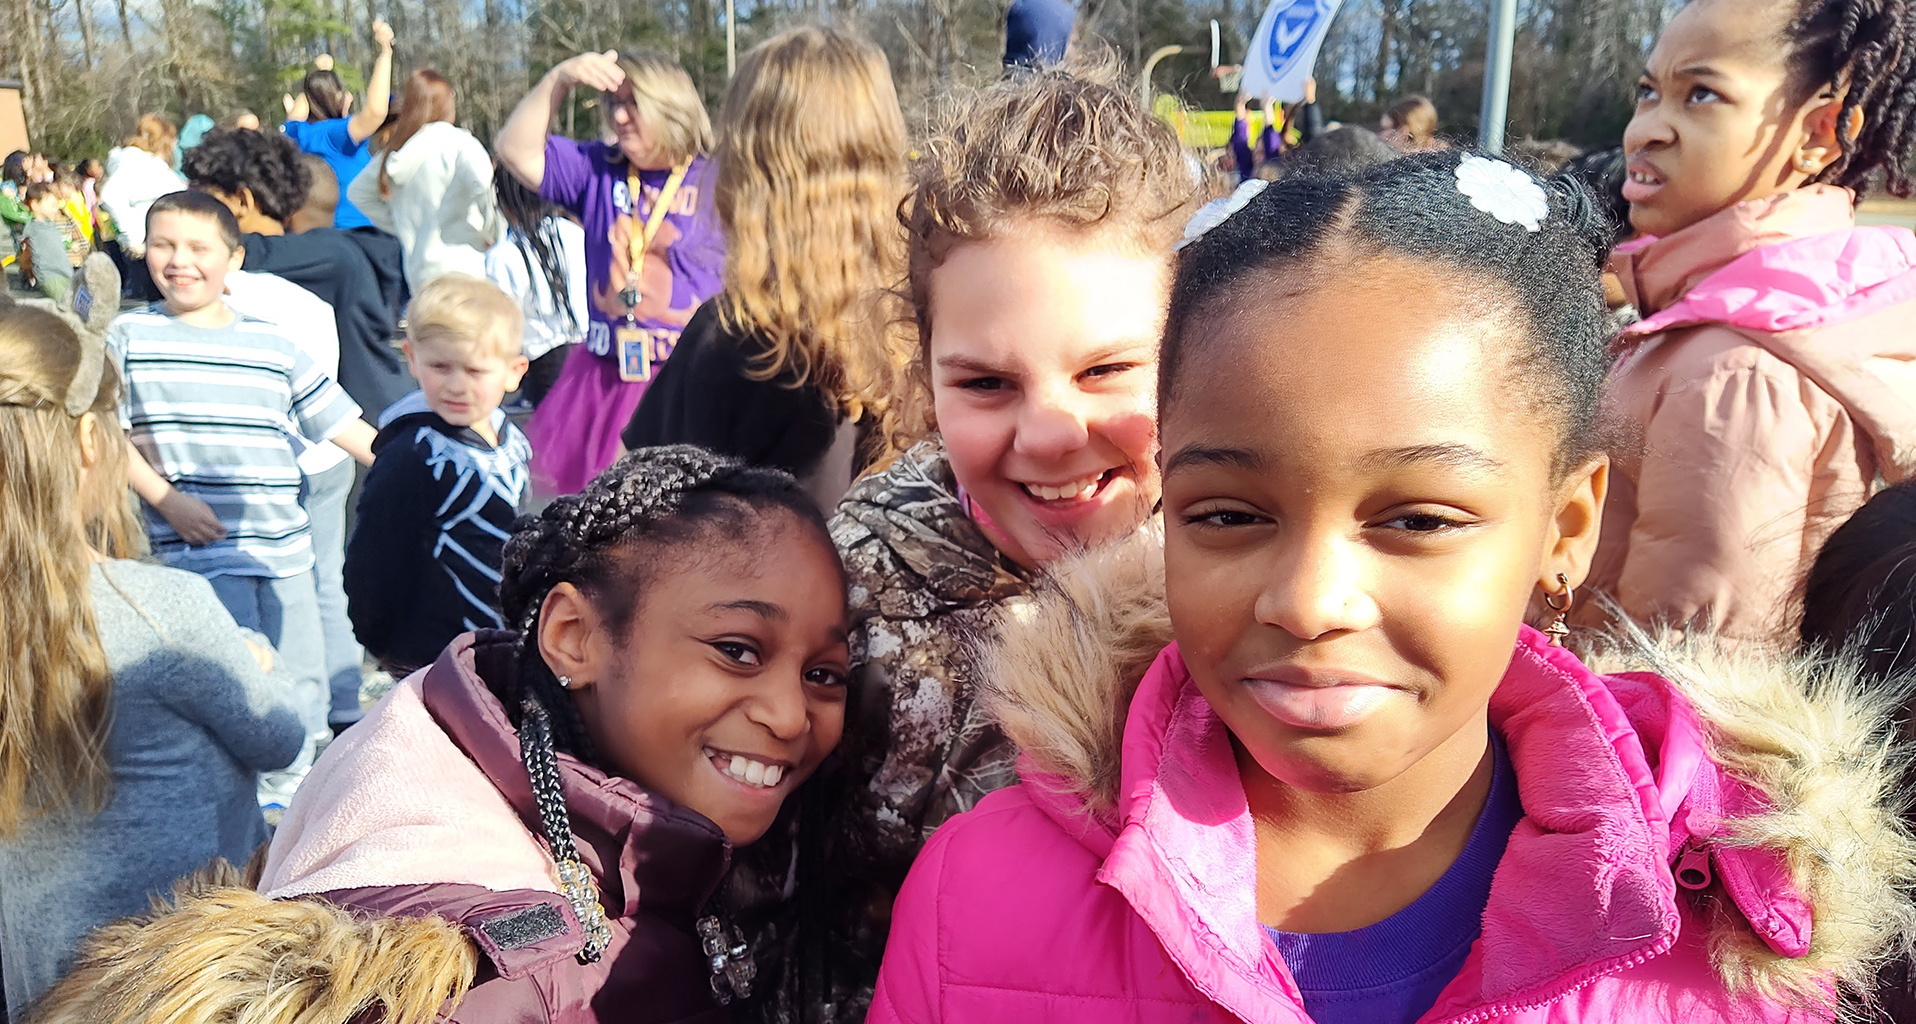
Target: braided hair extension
pixel 1868 49
pixel 537 238
pixel 652 497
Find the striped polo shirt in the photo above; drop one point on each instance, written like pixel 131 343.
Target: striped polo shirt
pixel 214 411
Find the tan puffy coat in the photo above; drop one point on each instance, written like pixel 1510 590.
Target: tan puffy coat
pixel 1773 385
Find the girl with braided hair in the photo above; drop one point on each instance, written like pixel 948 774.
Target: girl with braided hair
pixel 571 792
pixel 1773 377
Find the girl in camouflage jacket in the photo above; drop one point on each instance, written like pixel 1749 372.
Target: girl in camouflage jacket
pixel 1038 301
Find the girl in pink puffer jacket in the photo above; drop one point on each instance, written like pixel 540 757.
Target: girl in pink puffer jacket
pixel 1316 768
pixel 1773 377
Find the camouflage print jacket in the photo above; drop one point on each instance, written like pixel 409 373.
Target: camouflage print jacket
pixel 925 585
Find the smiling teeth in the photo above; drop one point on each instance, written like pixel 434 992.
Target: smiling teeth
pixel 1076 491
pixel 1642 179
pixel 748 771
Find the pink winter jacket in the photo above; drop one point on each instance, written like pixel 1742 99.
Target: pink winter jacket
pixel 1116 882
pixel 1773 381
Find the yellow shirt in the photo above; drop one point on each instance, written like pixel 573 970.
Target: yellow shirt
pixel 76 209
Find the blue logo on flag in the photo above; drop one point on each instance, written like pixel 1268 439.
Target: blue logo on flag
pixel 1290 30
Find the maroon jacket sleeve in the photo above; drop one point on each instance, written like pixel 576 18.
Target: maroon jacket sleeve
pixel 526 940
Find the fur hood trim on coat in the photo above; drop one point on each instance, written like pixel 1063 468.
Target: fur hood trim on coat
pixel 1066 663
pixel 1819 740
pixel 1812 736
pixel 220 953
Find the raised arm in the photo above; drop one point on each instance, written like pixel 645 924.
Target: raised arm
pixel 1312 115
pixel 379 88
pixel 521 144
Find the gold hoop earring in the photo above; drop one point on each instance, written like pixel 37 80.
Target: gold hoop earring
pixel 1558 629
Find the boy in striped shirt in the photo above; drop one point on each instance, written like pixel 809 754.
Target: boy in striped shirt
pixel 211 397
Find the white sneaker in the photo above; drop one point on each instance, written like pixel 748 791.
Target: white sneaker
pixel 276 788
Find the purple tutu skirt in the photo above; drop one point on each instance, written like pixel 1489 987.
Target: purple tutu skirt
pixel 575 431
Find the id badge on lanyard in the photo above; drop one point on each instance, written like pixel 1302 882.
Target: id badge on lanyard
pixel 634 347
pixel 631 343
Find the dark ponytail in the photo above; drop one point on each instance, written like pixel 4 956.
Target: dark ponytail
pixel 1860 598
pixel 1868 49
pixel 537 238
pixel 650 497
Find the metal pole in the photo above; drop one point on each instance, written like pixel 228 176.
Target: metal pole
pixel 1496 108
pixel 1144 80
pixel 731 39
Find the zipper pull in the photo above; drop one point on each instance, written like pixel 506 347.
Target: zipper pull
pixel 1693 868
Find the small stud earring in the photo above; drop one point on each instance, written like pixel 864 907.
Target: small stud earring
pixel 565 683
pixel 1806 165
pixel 1558 629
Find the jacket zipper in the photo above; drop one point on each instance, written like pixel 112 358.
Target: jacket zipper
pixel 1691 870
pixel 1660 947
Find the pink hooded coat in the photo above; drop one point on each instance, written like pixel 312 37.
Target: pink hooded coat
pixel 1116 882
pixel 1773 381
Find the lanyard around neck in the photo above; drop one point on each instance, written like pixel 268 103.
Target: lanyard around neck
pixel 640 244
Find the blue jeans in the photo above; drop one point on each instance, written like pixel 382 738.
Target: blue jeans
pixel 326 496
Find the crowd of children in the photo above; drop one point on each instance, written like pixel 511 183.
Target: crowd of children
pixel 1392 591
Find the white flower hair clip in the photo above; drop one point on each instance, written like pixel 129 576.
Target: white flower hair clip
pixel 1217 211
pixel 1503 191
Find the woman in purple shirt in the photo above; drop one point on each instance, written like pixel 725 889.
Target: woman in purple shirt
pixel 653 250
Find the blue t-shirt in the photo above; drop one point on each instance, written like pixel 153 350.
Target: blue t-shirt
pixel 331 142
pixel 1393 971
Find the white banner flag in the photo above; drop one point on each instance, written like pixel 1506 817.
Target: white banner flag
pixel 1284 49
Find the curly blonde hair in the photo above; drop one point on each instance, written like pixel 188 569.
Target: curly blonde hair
pixel 811 160
pixel 1065 147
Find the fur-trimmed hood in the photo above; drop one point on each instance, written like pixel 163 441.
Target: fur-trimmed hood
pixel 220 953
pixel 1784 801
